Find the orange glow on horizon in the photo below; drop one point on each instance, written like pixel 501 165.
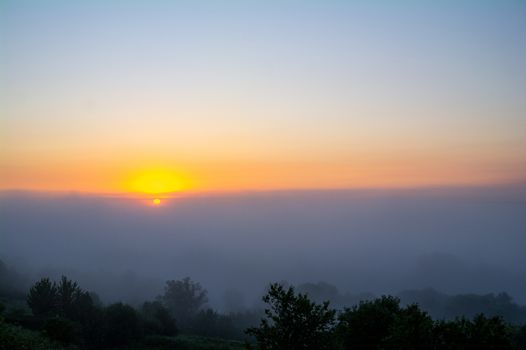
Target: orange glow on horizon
pixel 234 176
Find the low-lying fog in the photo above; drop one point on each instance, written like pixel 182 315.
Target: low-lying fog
pixel 382 241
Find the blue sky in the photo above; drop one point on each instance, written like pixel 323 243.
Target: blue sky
pixel 207 85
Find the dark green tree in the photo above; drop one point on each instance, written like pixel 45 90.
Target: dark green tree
pixel 520 337
pixel 157 319
pixel 481 333
pixel 293 322
pixel 210 323
pixel 61 330
pixel 121 325
pixel 184 298
pixel 489 333
pixel 412 329
pixel 450 335
pixel 43 298
pixel 68 297
pixel 66 306
pixel 367 325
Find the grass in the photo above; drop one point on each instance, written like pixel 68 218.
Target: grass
pixel 190 342
pixel 17 338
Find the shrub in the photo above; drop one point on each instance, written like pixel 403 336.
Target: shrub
pixel 293 322
pixel 121 325
pixel 61 330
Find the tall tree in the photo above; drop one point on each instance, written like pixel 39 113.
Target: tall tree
pixel 157 319
pixel 293 322
pixel 43 298
pixel 68 293
pixel 367 325
pixel 184 298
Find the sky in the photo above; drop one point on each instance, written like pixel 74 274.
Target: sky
pixel 164 96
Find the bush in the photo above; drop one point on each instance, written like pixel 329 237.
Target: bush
pixel 293 322
pixel 209 323
pixel 157 319
pixel 17 338
pixel 61 330
pixel 367 325
pixel 121 325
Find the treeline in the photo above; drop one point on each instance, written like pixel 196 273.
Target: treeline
pixel 63 315
pixel 68 315
pixel 293 321
pixel 438 305
pixel 14 286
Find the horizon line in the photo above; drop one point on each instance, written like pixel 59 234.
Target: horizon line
pixel 241 192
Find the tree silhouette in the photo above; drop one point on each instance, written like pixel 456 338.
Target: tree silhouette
pixel 184 298
pixel 366 325
pixel 412 330
pixel 122 325
pixel 489 333
pixel 68 296
pixel 293 322
pixel 43 298
pixel 157 319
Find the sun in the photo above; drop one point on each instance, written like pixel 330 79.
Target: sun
pixel 156 201
pixel 157 181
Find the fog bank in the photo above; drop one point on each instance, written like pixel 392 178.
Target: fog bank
pixel 381 241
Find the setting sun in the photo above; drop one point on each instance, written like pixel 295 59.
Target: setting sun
pixel 156 201
pixel 157 181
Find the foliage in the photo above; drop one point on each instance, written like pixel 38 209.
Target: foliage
pixel 293 322
pixel 480 333
pixel 489 333
pixel 67 316
pixel 383 324
pixel 411 329
pixel 68 295
pixel 449 307
pixel 210 323
pixel 121 325
pixel 61 330
pixel 42 298
pixel 157 319
pixel 367 325
pixel 68 313
pixel 17 338
pixel 376 324
pixel 10 283
pixel 184 298
pixel 469 305
pixel 520 337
